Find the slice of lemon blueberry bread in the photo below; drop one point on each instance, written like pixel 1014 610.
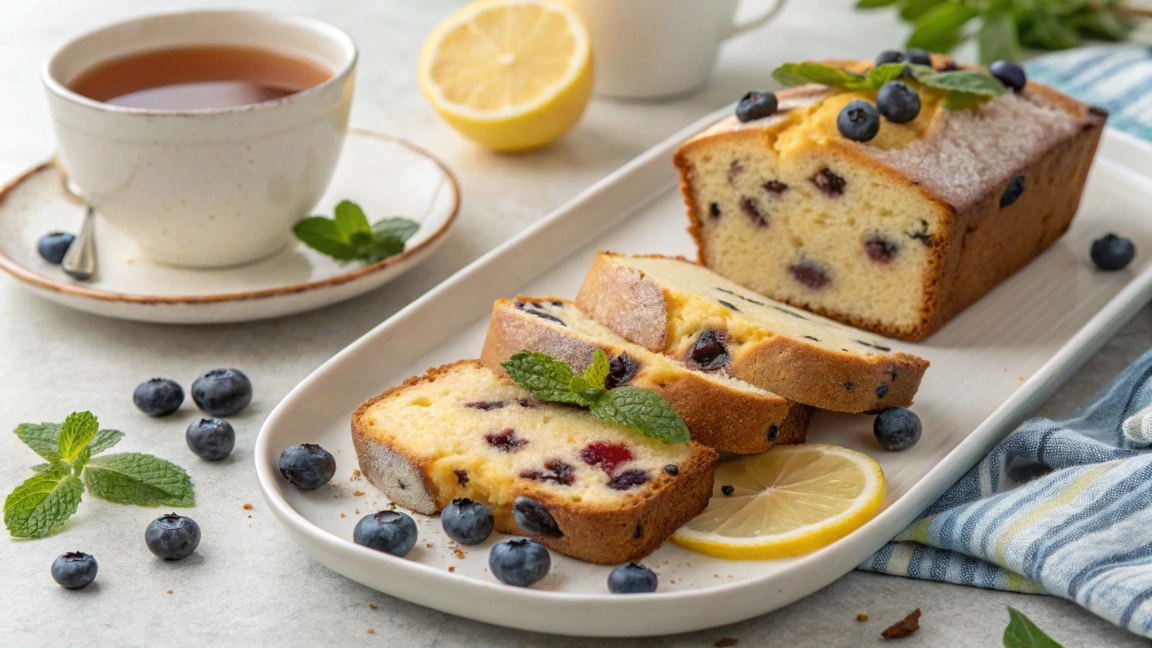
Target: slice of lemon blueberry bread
pixel 582 486
pixel 891 208
pixel 721 412
pixel 693 314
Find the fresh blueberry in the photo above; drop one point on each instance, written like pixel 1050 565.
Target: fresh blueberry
pixel 727 489
pixel 222 392
pixel 917 56
pixel 307 465
pixel 1013 191
pixel 519 561
pixel 392 532
pixel 1112 252
pixel 889 56
pixel 53 246
pixel 211 438
pixel 897 102
pixel 531 516
pixel 158 397
pixel 897 428
pixel 632 579
pixel 756 105
pixel 859 121
pixel 467 522
pixel 1010 74
pixel 74 569
pixel 172 536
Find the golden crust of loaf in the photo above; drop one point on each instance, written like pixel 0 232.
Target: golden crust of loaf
pixel 633 303
pixel 728 417
pixel 630 527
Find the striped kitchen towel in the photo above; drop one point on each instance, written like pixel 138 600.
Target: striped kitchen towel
pixel 1062 507
pixel 1118 78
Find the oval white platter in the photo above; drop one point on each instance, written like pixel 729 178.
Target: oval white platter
pixel 991 366
pixel 384 175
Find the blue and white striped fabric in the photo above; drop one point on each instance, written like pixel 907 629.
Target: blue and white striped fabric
pixel 1062 507
pixel 1118 78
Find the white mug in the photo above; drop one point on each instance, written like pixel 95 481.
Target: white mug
pixel 204 187
pixel 658 48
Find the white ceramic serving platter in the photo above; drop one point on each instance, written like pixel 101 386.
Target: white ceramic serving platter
pixel 991 366
pixel 384 175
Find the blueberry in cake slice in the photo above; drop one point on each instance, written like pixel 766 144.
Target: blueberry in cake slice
pixel 687 311
pixel 580 485
pixel 721 412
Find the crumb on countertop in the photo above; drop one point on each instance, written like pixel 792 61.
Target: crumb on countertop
pixel 247 507
pixel 370 631
pixel 861 617
pixel 358 493
pixel 451 568
pixel 903 627
pixel 168 592
pixel 249 516
pixel 429 545
pixel 342 515
pixel 459 554
pixel 355 472
pixel 371 606
pixel 356 511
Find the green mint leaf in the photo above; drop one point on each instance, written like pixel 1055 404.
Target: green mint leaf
pixel 81 459
pixel 1101 24
pixel 1022 633
pixel 596 373
pixel 78 430
pixel 794 74
pixel 544 376
pixel 882 74
pixel 43 467
pixel 134 478
pixel 872 4
pixel 384 247
pixel 41 504
pixel 1048 32
pixel 350 220
pixel 585 393
pixel 997 39
pixel 396 227
pixel 642 410
pixel 955 83
pixel 41 437
pixel 322 235
pixel 105 439
pixel 939 29
pixel 912 9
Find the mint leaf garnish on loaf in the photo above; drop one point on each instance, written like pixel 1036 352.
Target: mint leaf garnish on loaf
pixel 1022 633
pixel 46 500
pixel 960 89
pixel 349 235
pixel 643 410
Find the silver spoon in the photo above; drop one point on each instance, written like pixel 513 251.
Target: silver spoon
pixel 80 261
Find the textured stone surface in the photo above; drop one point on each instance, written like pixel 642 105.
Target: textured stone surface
pixel 247 584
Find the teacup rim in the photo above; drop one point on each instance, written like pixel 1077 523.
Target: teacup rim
pixel 59 89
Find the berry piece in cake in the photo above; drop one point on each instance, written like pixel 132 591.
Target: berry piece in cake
pixel 859 121
pixel 829 183
pixel 632 579
pixel 880 248
pixel 158 397
pixel 708 353
pixel 1012 191
pixel 672 469
pixel 809 274
pixel 222 392
pixel 486 406
pixel 607 456
pixel 753 211
pixel 775 187
pixel 172 536
pixel 629 479
pixel 520 562
pixel 54 245
pixel 1010 74
pixel 773 432
pixel 734 171
pixel 897 102
pixel 756 105
pixel 467 522
pixel 621 369
pixel 1112 252
pixel 539 313
pixel 555 471
pixel 392 532
pixel 505 440
pixel 897 428
pixel 918 56
pixel 307 465
pixel 210 438
pixel 74 569
pixel 889 56
pixel 531 516
pixel 714 210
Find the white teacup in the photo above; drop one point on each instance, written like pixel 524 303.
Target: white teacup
pixel 657 48
pixel 206 187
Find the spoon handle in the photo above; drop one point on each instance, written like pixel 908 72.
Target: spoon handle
pixel 80 262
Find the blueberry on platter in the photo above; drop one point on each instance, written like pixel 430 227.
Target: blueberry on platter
pixel 307 465
pixel 519 561
pixel 897 428
pixel 172 536
pixel 54 245
pixel 1111 252
pixel 74 569
pixel 467 522
pixel 392 532
pixel 222 392
pixel 632 579
pixel 210 438
pixel 158 397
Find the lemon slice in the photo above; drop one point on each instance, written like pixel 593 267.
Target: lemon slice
pixel 788 501
pixel 512 75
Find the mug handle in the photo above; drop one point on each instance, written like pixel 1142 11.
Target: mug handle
pixel 756 21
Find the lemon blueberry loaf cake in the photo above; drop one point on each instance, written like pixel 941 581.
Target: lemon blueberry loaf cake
pixel 892 224
pixel 721 412
pixel 582 486
pixel 693 314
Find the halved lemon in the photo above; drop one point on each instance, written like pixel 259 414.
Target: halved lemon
pixel 788 501
pixel 512 75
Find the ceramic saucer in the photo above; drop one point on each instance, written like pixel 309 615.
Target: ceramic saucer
pixel 385 175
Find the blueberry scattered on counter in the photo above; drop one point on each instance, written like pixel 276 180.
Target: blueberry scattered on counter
pixel 54 245
pixel 859 121
pixel 210 438
pixel 897 428
pixel 727 489
pixel 519 561
pixel 1112 252
pixel 1010 74
pixel 756 105
pixel 1013 191
pixel 222 392
pixel 897 102
pixel 889 56
pixel 632 579
pixel 467 522
pixel 172 536
pixel 307 465
pixel 918 56
pixel 158 397
pixel 74 569
pixel 392 532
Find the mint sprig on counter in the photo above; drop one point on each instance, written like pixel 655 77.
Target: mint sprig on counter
pixel 642 410
pixel 961 89
pixel 1022 633
pixel 349 236
pixel 48 498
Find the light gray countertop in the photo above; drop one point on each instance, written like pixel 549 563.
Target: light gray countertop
pixel 247 584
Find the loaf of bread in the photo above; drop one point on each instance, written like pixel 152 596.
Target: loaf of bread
pixel 687 311
pixel 598 491
pixel 897 234
pixel 721 412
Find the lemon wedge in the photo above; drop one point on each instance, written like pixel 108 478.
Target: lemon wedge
pixel 512 75
pixel 788 501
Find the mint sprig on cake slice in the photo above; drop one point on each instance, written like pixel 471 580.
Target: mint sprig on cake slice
pixel 960 89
